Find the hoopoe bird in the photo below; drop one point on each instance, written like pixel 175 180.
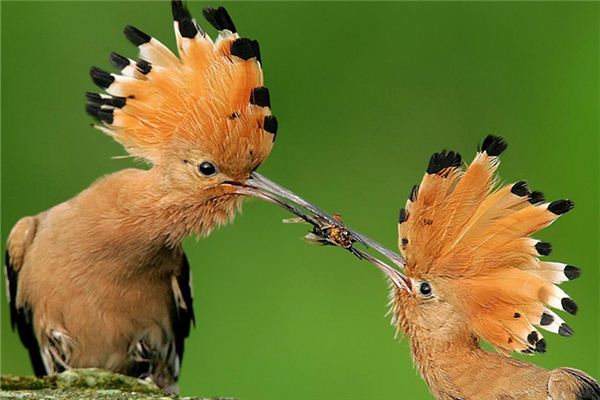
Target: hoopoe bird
pixel 101 280
pixel 474 273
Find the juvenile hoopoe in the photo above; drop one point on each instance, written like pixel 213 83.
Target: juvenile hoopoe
pixel 101 280
pixel 474 273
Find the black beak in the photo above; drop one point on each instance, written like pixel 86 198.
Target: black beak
pixel 326 227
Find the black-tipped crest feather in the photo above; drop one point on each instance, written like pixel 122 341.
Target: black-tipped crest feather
pixel 413 193
pixel 565 330
pixel 135 36
pixel 118 61
pixel 572 272
pixel 101 77
pixel 543 248
pixel 443 160
pixel 219 18
pixel 187 27
pixel 540 346
pixel 114 101
pixel 260 97
pixel 494 145
pixel 95 110
pixel 180 11
pixel 270 124
pixel 520 189
pixel 546 319
pixel 143 66
pixel 559 207
pixel 536 197
pixel 402 216
pixel 569 305
pixel 244 48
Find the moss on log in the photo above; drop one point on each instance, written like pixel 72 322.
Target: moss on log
pixel 90 383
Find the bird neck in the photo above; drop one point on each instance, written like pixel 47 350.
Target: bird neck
pixel 458 368
pixel 158 215
pixel 439 361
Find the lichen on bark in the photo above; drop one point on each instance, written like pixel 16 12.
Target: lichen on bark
pixel 79 384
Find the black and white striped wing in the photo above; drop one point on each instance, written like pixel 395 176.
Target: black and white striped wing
pixel 21 318
pixel 184 310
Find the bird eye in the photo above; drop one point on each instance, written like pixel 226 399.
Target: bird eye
pixel 207 168
pixel 425 289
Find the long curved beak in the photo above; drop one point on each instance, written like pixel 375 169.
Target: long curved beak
pixel 325 227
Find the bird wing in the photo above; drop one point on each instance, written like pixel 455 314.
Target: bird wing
pixel 18 243
pixel 184 310
pixel 569 383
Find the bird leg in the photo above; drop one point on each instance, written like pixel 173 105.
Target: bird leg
pixel 327 229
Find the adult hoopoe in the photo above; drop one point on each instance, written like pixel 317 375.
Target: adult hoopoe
pixel 474 273
pixel 101 280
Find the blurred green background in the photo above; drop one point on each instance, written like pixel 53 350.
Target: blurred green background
pixel 364 93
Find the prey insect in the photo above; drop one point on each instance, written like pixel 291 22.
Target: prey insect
pixel 325 233
pixel 327 229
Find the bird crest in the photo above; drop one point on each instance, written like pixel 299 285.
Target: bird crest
pixel 470 239
pixel 209 98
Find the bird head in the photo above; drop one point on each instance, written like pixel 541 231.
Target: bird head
pixel 202 119
pixel 473 268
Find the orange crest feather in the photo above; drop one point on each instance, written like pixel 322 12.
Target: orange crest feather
pixel 458 231
pixel 210 98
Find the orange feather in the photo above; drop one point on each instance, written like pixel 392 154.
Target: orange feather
pixel 473 244
pixel 206 98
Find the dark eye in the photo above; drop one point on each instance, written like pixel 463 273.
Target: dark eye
pixel 425 289
pixel 207 168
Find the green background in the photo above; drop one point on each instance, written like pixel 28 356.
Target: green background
pixel 364 93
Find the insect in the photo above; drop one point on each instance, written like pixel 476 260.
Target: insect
pixel 326 233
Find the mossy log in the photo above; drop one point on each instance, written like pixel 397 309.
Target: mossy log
pixel 78 384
